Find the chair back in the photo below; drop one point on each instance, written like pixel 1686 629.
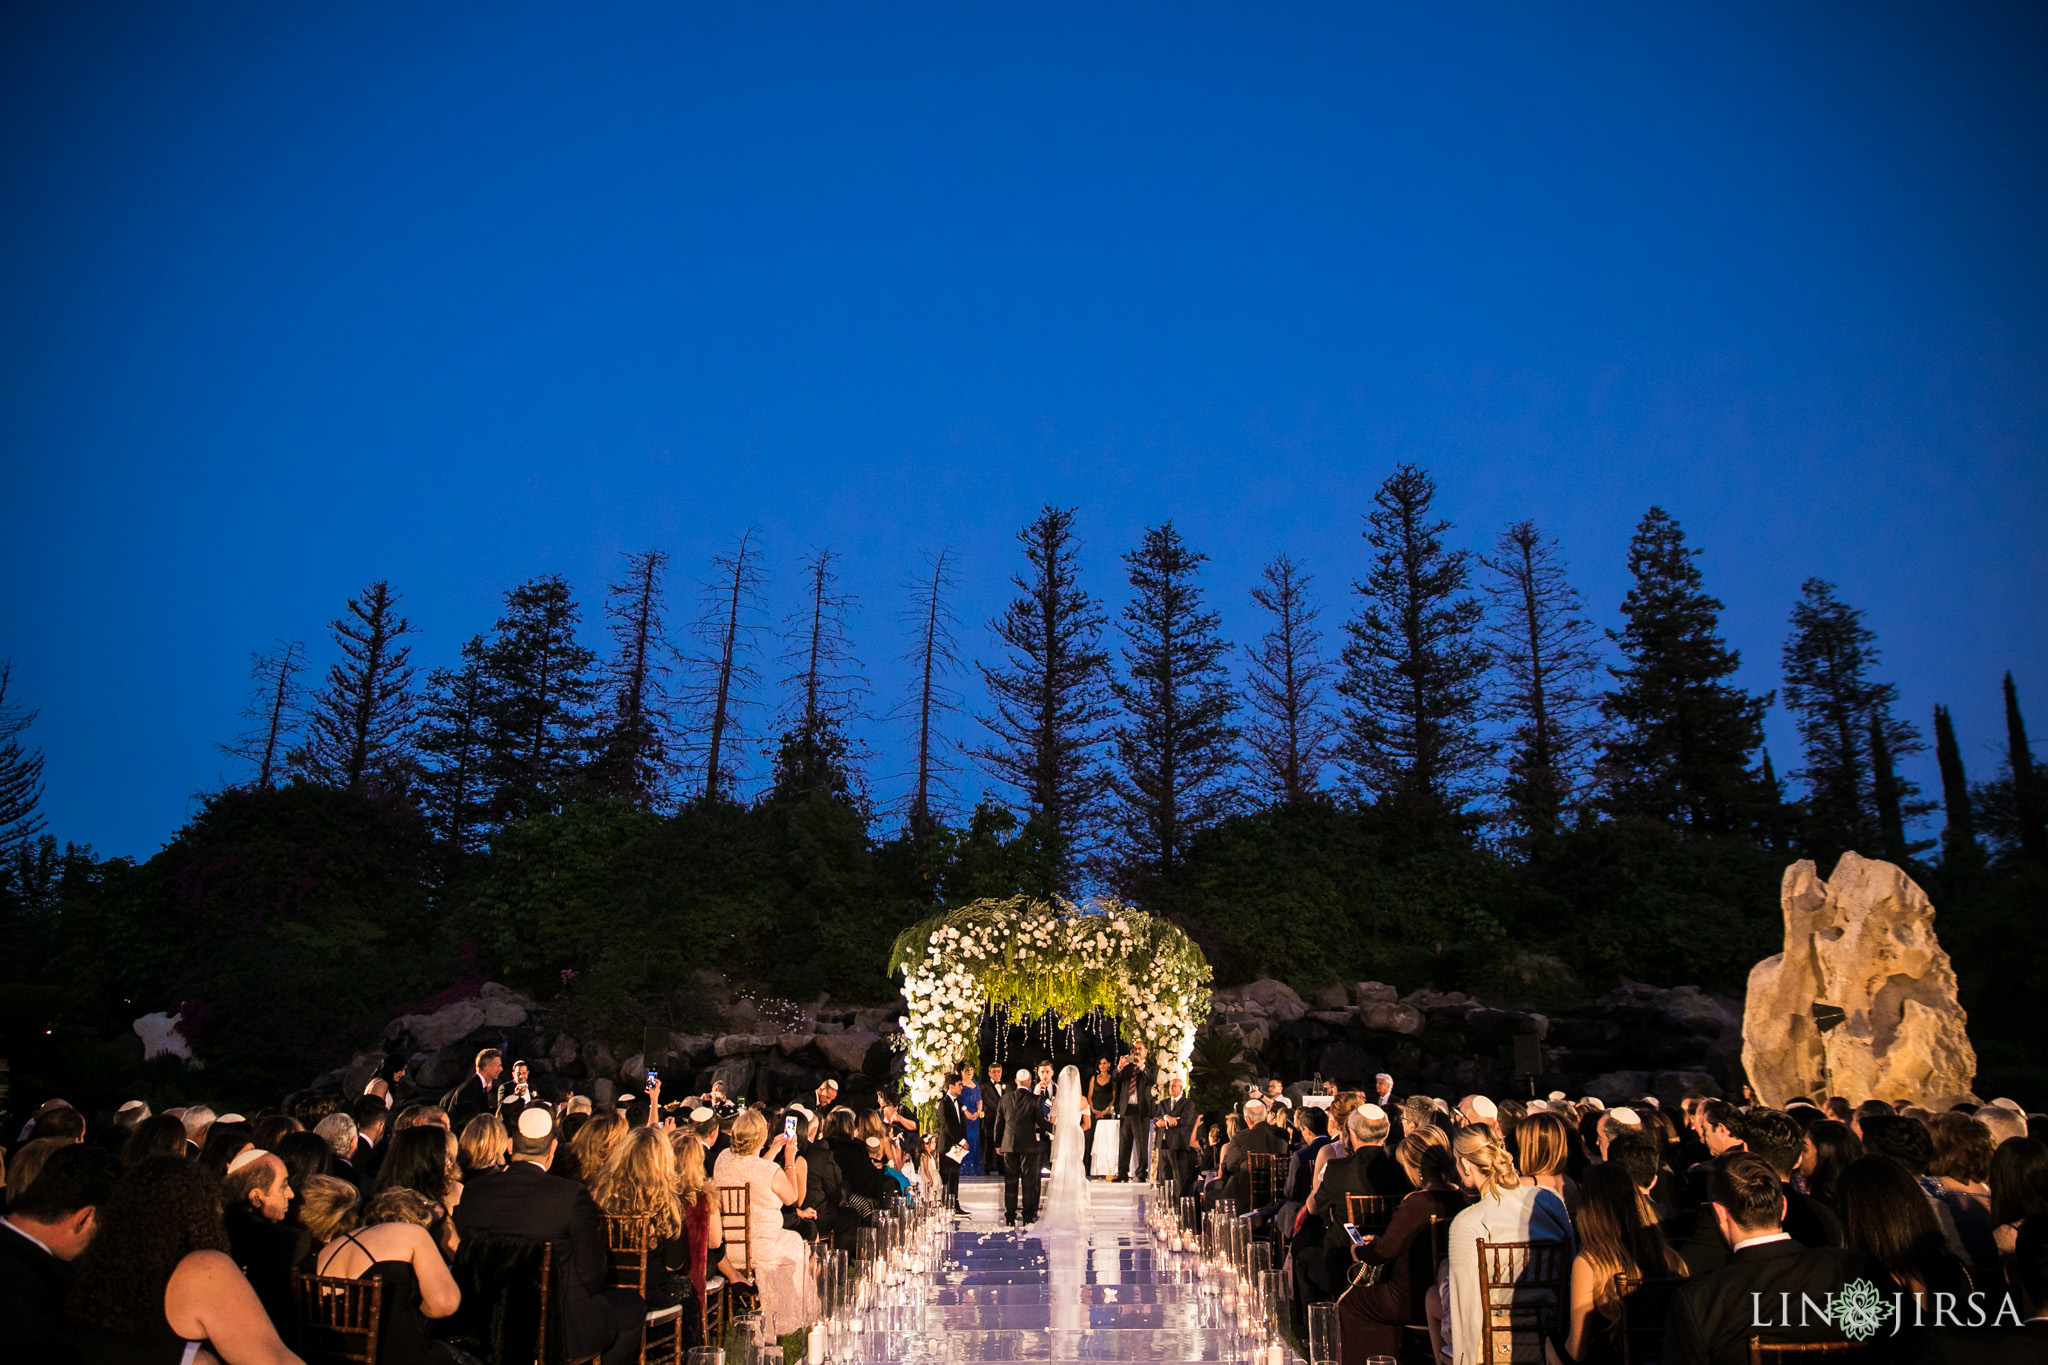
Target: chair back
pixel 1263 1171
pixel 1763 1352
pixel 507 1285
pixel 735 1224
pixel 1522 1297
pixel 338 1319
pixel 1367 1212
pixel 627 1240
pixel 1641 1307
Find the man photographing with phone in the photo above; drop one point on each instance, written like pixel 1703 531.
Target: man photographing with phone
pixel 1134 1081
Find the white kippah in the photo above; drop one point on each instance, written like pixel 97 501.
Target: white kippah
pixel 231 1118
pixel 701 1115
pixel 253 1154
pixel 1373 1111
pixel 1625 1115
pixel 1595 1102
pixel 874 1142
pixel 1655 1103
pixel 1484 1108
pixel 1556 1094
pixel 1536 1107
pixel 131 1105
pixel 536 1123
pixel 2013 1105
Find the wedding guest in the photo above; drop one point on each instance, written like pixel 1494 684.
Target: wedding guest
pixel 1505 1208
pixel 2019 1188
pixel 971 1109
pixel 698 1206
pixel 28 1164
pixel 255 1199
pixel 593 1143
pixel 638 1180
pixel 373 1120
pixel 1135 1080
pixel 1374 1317
pixel 1100 1097
pixel 484 1146
pixel 338 1130
pixel 1827 1147
pixel 163 1135
pixel 43 1234
pixel 1175 1128
pixel 1886 1215
pixel 425 1160
pixel 1962 1168
pixel 1545 1145
pixel 1618 1234
pixel 478 1092
pixel 393 1246
pixel 270 1129
pixel 158 1279
pixel 390 1072
pixel 774 1257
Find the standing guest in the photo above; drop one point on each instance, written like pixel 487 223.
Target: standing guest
pixel 991 1100
pixel 1505 1208
pixel 43 1233
pixel 953 1124
pixel 971 1109
pixel 479 1090
pixel 525 1201
pixel 1545 1146
pixel 256 1197
pixel 827 1094
pixel 1174 1126
pixel 1886 1216
pixel 1383 1092
pixel 389 1243
pixel 1618 1235
pixel 638 1180
pixel 390 1072
pixel 1134 1082
pixel 774 1258
pixel 425 1160
pixel 158 1279
pixel 1100 1098
pixel 517 1092
pixel 484 1146
pixel 1374 1317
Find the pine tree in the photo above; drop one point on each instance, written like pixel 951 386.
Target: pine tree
pixel 631 760
pixel 726 675
pixel 273 710
pixel 1960 850
pixel 1414 664
pixel 1685 734
pixel 21 775
pixel 540 697
pixel 2029 802
pixel 934 657
pixel 1291 732
pixel 454 746
pixel 814 753
pixel 1049 699
pixel 1544 646
pixel 360 730
pixel 1175 743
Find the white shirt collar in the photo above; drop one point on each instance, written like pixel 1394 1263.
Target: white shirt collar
pixel 1765 1239
pixel 20 1231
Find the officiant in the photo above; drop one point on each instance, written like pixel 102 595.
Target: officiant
pixel 1134 1081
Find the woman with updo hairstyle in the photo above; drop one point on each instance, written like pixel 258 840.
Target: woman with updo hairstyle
pixel 1505 1208
pixel 1545 1144
pixel 1618 1235
pixel 388 1242
pixel 157 1276
pixel 1374 1317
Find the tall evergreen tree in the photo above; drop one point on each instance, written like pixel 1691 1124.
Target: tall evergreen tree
pixel 1960 849
pixel 631 760
pixel 21 775
pixel 1291 732
pixel 455 742
pixel 1684 733
pixel 1174 743
pixel 360 729
pixel 273 711
pixel 1545 696
pixel 814 753
pixel 725 674
pixel 1414 664
pixel 2029 801
pixel 1048 697
pixel 934 658
pixel 541 693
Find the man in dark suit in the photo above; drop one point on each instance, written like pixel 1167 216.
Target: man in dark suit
pixel 952 1133
pixel 49 1226
pixel 1134 1082
pixel 1256 1136
pixel 373 1121
pixel 1772 1286
pixel 525 1201
pixel 1017 1125
pixel 1175 1125
pixel 1776 1137
pixel 991 1101
pixel 479 1093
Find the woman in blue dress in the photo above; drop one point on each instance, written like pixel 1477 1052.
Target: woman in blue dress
pixel 970 1109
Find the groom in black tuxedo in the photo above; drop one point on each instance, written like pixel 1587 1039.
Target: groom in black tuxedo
pixel 1018 1117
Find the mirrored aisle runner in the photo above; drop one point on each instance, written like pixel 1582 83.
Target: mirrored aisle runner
pixel 1018 1294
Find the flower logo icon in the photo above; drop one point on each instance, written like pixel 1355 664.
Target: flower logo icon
pixel 1860 1310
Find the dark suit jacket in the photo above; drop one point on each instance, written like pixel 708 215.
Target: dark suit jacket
pixel 472 1097
pixel 952 1124
pixel 1176 1138
pixel 1713 1317
pixel 33 1286
pixel 1017 1119
pixel 1237 1182
pixel 1141 1108
pixel 1809 1222
pixel 525 1201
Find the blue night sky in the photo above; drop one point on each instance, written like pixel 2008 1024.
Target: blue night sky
pixel 300 296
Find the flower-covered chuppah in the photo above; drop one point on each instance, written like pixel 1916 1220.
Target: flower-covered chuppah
pixel 1030 957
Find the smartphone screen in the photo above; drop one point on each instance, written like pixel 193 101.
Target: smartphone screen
pixel 789 1128
pixel 1357 1237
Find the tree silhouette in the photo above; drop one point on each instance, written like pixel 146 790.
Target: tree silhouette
pixel 1291 732
pixel 934 655
pixel 454 744
pixel 631 761
pixel 726 674
pixel 814 753
pixel 360 729
pixel 21 774
pixel 540 694
pixel 274 710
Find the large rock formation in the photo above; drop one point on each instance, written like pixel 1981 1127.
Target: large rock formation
pixel 1862 1002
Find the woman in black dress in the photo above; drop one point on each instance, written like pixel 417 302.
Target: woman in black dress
pixel 391 1243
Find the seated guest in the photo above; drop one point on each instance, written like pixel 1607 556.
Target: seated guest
pixel 424 1159
pixel 270 1129
pixel 593 1144
pixel 1477 1111
pixel 1612 1124
pixel 484 1146
pixel 1363 1170
pixel 60 1120
pixel 163 1135
pixel 157 1277
pixel 698 1206
pixel 304 1155
pixel 396 1249
pixel 1545 1148
pixel 255 1198
pixel 28 1164
pixel 1907 1141
pixel 338 1131
pixel 1255 1137
pixel 373 1120
pixel 1826 1149
pixel 1374 1317
pixel 44 1232
pixel 1961 1166
pixel 1776 1137
pixel 225 1142
pixel 1886 1216
pixel 864 1190
pixel 2019 1188
pixel 775 1255
pixel 198 1121
pixel 1301 1166
pixel 1505 1208
pixel 525 1201
pixel 2001 1342
pixel 1713 1317
pixel 1618 1235
pixel 639 1180
pixel 2003 1122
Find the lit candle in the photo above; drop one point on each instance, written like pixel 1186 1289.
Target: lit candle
pixel 817 1344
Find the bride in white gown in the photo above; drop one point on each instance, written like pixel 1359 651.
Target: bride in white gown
pixel 1066 1205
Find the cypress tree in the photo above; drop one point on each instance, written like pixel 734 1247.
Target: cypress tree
pixel 1680 755
pixel 814 753
pixel 631 760
pixel 1175 742
pixel 1048 700
pixel 360 731
pixel 541 693
pixel 1291 731
pixel 454 745
pixel 1544 646
pixel 1960 850
pixel 2030 807
pixel 1886 792
pixel 21 775
pixel 1413 666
